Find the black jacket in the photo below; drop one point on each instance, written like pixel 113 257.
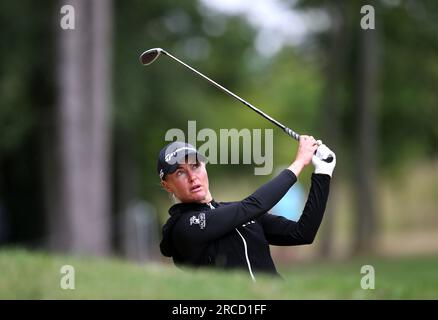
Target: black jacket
pixel 238 234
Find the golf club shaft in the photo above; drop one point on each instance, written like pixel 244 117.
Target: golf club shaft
pixel 288 131
pixel 151 55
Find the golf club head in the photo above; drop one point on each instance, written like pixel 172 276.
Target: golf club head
pixel 149 56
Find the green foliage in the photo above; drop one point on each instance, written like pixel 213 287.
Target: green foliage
pixel 26 107
pixel 25 57
pixel 407 73
pixel 408 86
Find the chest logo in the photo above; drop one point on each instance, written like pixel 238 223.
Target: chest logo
pixel 200 220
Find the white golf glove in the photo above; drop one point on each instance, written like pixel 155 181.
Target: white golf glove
pixel 320 165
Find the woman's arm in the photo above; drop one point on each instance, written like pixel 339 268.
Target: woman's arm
pixel 218 222
pixel 222 220
pixel 283 232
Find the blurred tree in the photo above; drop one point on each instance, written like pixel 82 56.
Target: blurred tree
pixel 81 223
pixel 26 96
pixel 365 97
pixel 410 73
pixel 404 98
pixel 351 64
pixel 332 72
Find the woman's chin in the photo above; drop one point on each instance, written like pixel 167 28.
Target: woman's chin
pixel 198 196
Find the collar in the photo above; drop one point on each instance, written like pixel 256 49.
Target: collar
pixel 191 206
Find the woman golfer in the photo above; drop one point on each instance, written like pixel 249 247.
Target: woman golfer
pixel 203 232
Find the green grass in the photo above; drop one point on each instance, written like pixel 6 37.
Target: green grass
pixel 36 275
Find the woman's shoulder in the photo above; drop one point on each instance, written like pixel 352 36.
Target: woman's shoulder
pixel 226 203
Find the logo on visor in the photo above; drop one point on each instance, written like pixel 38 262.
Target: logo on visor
pixel 200 220
pixel 169 156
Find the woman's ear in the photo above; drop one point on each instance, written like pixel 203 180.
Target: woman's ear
pixel 166 186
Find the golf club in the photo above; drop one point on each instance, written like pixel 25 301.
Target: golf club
pixel 149 56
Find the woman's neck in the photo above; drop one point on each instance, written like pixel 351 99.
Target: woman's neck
pixel 208 198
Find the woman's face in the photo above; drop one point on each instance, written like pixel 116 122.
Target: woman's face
pixel 189 183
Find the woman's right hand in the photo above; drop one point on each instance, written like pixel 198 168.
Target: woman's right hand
pixel 306 149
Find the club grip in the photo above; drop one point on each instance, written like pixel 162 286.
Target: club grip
pixel 292 133
pixel 296 136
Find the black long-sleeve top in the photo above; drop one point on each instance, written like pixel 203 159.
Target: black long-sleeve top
pixel 238 234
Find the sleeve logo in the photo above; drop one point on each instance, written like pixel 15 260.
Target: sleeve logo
pixel 200 220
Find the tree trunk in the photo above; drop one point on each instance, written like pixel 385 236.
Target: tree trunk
pixel 82 223
pixel 330 113
pixel 100 126
pixel 366 141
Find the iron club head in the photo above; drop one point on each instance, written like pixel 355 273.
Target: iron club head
pixel 149 56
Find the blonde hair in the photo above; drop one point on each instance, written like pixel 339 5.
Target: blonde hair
pixel 174 198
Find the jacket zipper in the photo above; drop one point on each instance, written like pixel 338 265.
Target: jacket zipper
pixel 246 255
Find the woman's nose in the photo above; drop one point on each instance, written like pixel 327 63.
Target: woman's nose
pixel 192 175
